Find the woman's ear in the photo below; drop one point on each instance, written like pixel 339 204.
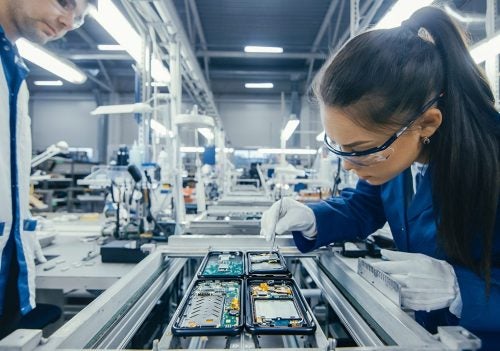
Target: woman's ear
pixel 429 122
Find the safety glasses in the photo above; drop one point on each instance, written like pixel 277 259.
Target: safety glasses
pixel 68 7
pixel 380 153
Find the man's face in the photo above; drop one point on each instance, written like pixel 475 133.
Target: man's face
pixel 41 21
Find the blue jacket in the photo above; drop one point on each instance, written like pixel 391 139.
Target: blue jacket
pixel 361 211
pixel 17 229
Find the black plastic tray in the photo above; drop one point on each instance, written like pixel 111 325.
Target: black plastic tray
pixel 256 272
pixel 203 274
pixel 306 324
pixel 179 329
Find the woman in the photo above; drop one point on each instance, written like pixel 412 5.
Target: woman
pixel 410 112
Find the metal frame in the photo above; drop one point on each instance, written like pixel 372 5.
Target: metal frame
pixel 111 320
pixel 391 323
pixel 371 318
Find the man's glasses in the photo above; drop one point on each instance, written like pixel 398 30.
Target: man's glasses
pixel 68 7
pixel 380 153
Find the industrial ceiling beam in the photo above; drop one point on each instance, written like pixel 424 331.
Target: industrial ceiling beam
pixel 168 13
pixel 89 55
pixel 252 55
pixel 322 29
pixel 92 44
pixel 201 34
pixel 324 25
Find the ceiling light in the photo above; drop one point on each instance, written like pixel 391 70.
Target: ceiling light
pixel 321 136
pixel 106 47
pixel 288 151
pixel 139 107
pixel 192 149
pixel 113 21
pixel 48 83
pixel 290 127
pixel 400 11
pixel 47 60
pixel 259 85
pixel 264 49
pixel 159 127
pixel 227 150
pixel 486 48
pixel 158 84
pixel 207 133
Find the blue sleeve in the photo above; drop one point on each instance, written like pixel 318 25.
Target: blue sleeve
pixel 480 311
pixel 356 213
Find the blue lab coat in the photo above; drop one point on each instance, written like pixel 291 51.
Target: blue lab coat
pixel 361 211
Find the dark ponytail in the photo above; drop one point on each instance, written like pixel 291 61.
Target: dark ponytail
pixel 466 146
pixel 382 76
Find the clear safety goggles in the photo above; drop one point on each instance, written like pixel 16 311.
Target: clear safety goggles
pixel 380 153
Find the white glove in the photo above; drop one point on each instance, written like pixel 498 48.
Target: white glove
pixel 426 283
pixel 38 252
pixel 293 216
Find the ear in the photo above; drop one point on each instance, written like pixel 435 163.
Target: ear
pixel 429 122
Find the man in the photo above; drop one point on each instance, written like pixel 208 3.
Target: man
pixel 39 21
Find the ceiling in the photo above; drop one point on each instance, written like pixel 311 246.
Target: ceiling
pixel 218 30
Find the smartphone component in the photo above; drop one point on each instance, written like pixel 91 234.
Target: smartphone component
pixel 277 307
pixel 266 263
pixel 213 307
pixel 219 264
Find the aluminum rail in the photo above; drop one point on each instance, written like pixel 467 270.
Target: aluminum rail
pixel 112 312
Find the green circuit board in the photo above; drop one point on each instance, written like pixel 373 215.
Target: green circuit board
pixel 274 305
pixel 223 264
pixel 213 304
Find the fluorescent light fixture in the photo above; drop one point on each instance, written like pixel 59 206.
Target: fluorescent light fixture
pixel 192 149
pixel 290 127
pixel 159 84
pixel 400 11
pixel 139 107
pixel 227 150
pixel 486 48
pixel 106 47
pixel 113 21
pixel 48 83
pixel 321 136
pixel 288 151
pixel 159 127
pixel 207 133
pixel 47 60
pixel 259 85
pixel 264 49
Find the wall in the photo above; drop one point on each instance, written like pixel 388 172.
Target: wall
pixel 249 121
pixel 257 121
pixel 57 117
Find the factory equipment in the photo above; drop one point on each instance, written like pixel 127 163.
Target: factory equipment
pixel 325 305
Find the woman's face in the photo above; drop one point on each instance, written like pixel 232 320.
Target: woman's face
pixel 407 149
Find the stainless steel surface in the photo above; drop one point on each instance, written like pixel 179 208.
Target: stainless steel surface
pixel 352 320
pixel 185 243
pixel 380 280
pixel 244 200
pixel 458 338
pixel 214 226
pixel 222 210
pixel 71 272
pixel 386 318
pixel 106 312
